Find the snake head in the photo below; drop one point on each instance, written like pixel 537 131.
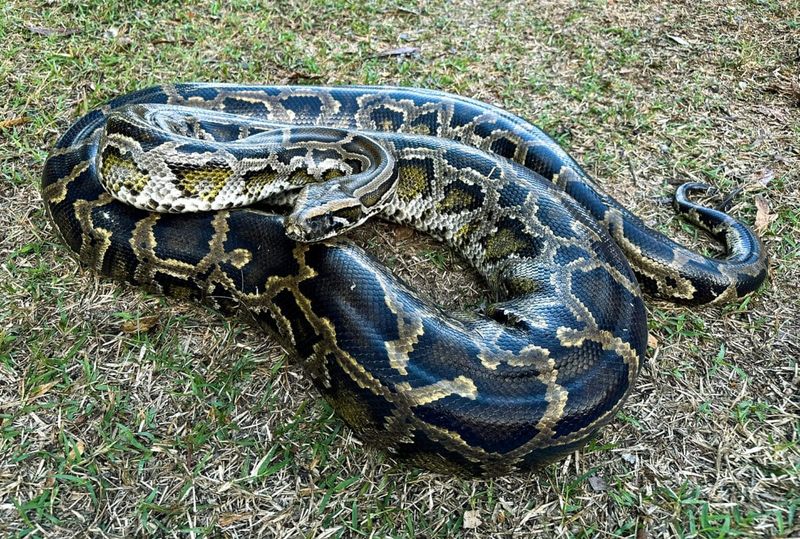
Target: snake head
pixel 324 210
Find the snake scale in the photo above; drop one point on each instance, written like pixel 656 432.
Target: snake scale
pixel 196 170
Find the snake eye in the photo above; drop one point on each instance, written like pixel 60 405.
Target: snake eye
pixel 350 215
pixel 320 225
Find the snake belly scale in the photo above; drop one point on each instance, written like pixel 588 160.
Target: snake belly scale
pixel 168 188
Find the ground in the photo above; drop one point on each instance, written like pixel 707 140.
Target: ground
pixel 124 413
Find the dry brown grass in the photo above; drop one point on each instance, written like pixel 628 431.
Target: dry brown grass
pixel 200 426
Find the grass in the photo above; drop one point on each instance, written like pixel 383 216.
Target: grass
pixel 201 426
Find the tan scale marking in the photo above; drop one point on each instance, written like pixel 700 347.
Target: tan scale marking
pixel 327 330
pixel 572 337
pixel 58 152
pixel 556 397
pixel 498 134
pixel 589 265
pixel 364 116
pixel 420 396
pixel 409 329
pixel 629 357
pixel 655 270
pixel 449 439
pixel 353 368
pixel 56 192
pixel 530 355
pixel 143 243
pixel 92 255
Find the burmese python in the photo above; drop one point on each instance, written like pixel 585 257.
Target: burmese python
pixel 527 379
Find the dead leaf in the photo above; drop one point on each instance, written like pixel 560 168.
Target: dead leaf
pixel 42 31
pixel 652 342
pixel 76 451
pixel 598 484
pixel 763 217
pixel 472 519
pixel 142 325
pixel 767 175
pixel 226 519
pixel 13 122
pixel 399 51
pixel 679 40
pixel 41 390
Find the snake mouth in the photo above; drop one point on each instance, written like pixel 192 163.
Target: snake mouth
pixel 293 231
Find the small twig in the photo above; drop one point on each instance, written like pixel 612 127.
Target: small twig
pixel 13 122
pixel 399 51
pixel 42 31
pixel 164 41
pixel 409 11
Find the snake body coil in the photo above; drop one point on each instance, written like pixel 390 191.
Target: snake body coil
pixel 527 380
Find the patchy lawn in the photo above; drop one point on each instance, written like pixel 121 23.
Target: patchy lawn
pixel 202 426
